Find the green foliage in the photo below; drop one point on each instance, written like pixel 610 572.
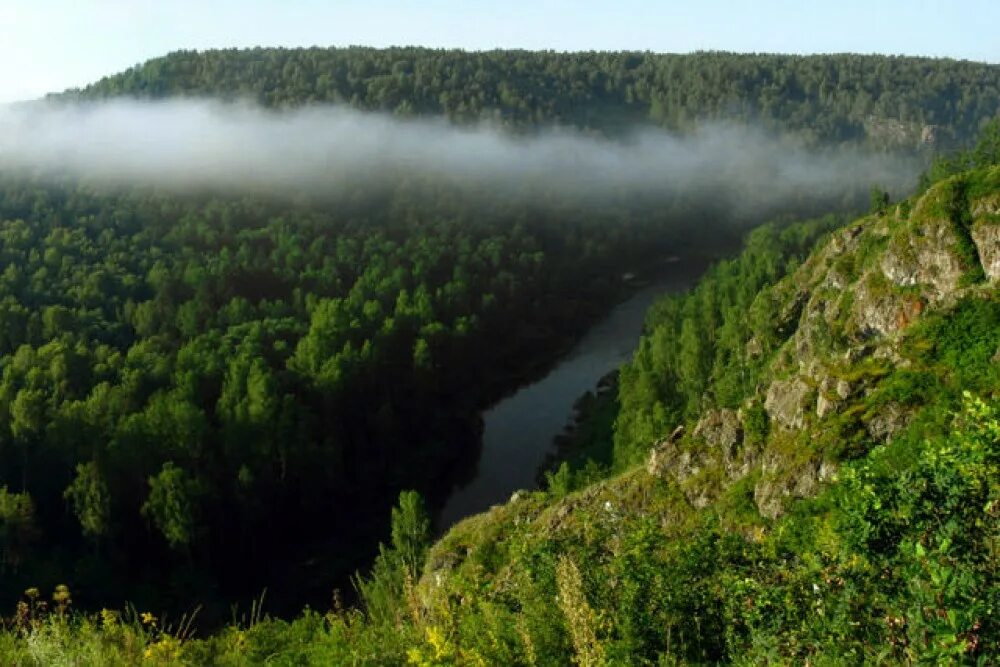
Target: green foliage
pixel 961 344
pixel 707 348
pixel 387 591
pixel 756 424
pixel 929 519
pixel 560 482
pixel 985 153
pixel 300 362
pixel 171 505
pixel 17 528
pixel 894 563
pixel 879 200
pixel 411 530
pixel 89 497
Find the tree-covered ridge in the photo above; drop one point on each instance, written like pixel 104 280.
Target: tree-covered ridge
pixel 889 101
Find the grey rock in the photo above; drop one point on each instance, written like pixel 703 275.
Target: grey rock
pixel 776 487
pixel 831 396
pixel 720 429
pixel 881 313
pixel 989 205
pixel 825 406
pixel 986 236
pixel 887 422
pixel 875 314
pixel 928 256
pixel 786 402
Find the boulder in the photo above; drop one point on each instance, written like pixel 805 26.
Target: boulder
pixel 720 429
pixel 986 236
pixel 831 395
pixel 667 461
pixel 928 256
pixel 889 420
pixel 874 311
pixel 661 454
pixel 881 311
pixel 777 486
pixel 786 402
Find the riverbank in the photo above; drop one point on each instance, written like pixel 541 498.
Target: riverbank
pixel 519 430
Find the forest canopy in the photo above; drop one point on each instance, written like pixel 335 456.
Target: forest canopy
pixel 884 100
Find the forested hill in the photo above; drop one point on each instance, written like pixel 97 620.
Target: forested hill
pixel 885 101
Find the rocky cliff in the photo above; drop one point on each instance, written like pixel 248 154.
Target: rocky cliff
pixel 855 369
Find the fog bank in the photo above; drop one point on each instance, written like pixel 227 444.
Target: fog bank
pixel 327 151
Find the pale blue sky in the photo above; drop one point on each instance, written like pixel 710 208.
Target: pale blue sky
pixel 49 45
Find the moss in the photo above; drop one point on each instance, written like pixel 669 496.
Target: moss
pixel 756 424
pixel 877 284
pixel 847 266
pixel 870 248
pixel 982 182
pixel 707 482
pixel 842 435
pixel 957 209
pixel 862 371
pixel 736 507
pixel 841 325
pixel 906 387
pixel 792 448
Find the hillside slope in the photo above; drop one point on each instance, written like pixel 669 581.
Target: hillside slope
pixel 887 325
pixel 890 321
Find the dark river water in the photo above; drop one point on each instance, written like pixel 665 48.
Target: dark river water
pixel 519 431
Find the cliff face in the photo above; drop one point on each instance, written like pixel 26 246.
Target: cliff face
pixel 829 385
pixel 854 371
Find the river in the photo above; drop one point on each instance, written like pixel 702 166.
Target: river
pixel 519 431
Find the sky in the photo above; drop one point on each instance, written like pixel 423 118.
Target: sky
pixel 51 45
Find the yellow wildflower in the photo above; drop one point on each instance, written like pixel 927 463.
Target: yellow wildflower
pixel 61 595
pixel 109 618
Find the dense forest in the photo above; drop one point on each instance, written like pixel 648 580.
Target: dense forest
pixel 200 371
pixel 206 394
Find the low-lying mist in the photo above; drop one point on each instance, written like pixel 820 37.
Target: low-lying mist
pixel 327 152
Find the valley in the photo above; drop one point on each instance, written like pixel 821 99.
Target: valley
pixel 300 352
